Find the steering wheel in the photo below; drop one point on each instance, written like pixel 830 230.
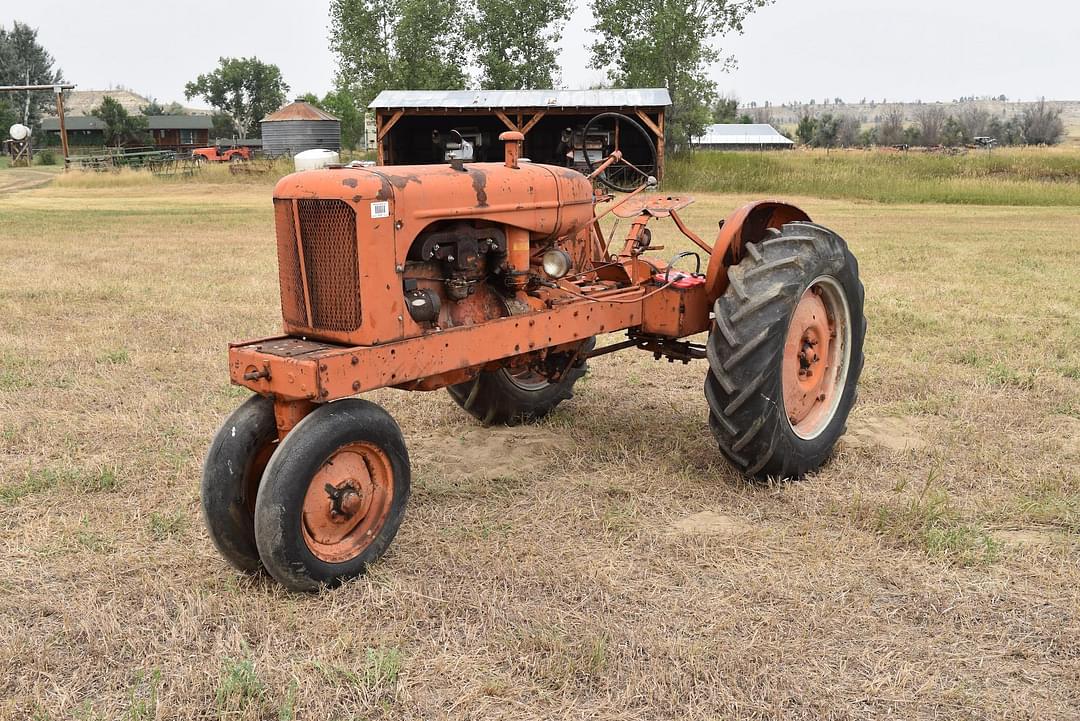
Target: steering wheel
pixel 625 175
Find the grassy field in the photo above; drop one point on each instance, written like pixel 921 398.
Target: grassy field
pixel 1022 177
pixel 604 564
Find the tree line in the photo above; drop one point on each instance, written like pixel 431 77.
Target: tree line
pixel 1038 124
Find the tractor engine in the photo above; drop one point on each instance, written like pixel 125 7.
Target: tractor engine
pixel 371 255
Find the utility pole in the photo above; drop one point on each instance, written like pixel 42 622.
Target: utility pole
pixel 59 90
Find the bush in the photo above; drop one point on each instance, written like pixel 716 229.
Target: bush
pixel 46 157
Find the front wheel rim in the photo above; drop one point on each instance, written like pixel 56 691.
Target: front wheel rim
pixel 817 356
pixel 347 502
pixel 528 379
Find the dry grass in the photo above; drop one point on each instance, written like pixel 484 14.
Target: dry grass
pixel 605 564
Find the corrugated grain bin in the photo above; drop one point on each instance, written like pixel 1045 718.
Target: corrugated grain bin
pixel 299 127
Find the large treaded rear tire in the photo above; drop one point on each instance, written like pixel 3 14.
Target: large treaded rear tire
pixel 744 387
pixel 494 398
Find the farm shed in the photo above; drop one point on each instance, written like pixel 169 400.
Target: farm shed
pixel 297 127
pixel 738 136
pixel 412 125
pixel 169 132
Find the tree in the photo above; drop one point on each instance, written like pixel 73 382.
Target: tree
pixel 120 128
pixel 1042 124
pixel 247 89
pixel 668 44
pixel 156 108
pixel 23 61
pixel 975 121
pixel 397 44
pixel 848 132
pixel 931 120
pixel 826 131
pixel 725 110
pixel 515 43
pixel 806 130
pixel 953 133
pixel 891 128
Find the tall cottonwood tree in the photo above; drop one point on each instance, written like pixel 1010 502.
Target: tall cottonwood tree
pixel 516 44
pixel 669 44
pixel 399 44
pixel 246 89
pixel 23 61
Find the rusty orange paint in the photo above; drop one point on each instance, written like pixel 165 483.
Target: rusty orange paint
pixel 349 331
pixel 746 225
pixel 807 381
pixel 347 502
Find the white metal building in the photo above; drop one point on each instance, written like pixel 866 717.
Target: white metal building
pixel 735 136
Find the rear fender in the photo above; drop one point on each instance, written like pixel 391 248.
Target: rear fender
pixel 746 225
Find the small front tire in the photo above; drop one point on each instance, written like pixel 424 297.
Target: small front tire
pixel 333 496
pixel 232 471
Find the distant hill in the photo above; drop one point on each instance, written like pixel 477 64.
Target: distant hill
pixel 787 116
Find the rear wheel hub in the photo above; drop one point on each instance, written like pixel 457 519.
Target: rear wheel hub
pixel 816 357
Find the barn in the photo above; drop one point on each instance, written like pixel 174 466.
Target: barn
pixel 423 126
pixel 739 136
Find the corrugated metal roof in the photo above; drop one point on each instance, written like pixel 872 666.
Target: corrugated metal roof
pixel 739 134
pixel 155 122
pixel 299 110
pixel 603 98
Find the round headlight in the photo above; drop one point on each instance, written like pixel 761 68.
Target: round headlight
pixel 556 263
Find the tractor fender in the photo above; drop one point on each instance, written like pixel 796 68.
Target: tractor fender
pixel 746 225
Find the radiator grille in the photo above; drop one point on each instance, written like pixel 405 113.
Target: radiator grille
pixel 328 243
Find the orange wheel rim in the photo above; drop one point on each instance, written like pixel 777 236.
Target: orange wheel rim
pixel 347 502
pixel 816 356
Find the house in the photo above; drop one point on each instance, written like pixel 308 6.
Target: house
pixel 411 124
pixel 737 136
pixel 181 132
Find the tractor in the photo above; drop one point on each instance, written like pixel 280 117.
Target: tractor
pixel 494 281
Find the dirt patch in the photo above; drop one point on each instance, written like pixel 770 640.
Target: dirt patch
pixel 16 179
pixel 710 523
pixel 1026 537
pixel 897 433
pixel 476 452
pixel 1070 435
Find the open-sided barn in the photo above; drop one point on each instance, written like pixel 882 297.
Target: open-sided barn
pixel 413 126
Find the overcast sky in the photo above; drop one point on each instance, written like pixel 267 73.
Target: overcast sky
pixel 793 50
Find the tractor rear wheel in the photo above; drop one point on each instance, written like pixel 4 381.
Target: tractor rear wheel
pixel 333 496
pixel 232 471
pixel 507 397
pixel 785 352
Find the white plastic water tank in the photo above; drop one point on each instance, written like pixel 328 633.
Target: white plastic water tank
pixel 315 159
pixel 18 131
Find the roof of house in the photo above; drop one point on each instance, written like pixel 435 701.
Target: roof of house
pixel 299 110
pixel 155 122
pixel 492 99
pixel 740 134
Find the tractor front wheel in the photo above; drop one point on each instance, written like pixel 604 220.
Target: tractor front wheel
pixel 785 352
pixel 333 495
pixel 508 397
pixel 232 471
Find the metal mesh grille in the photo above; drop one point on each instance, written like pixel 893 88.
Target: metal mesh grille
pixel 328 236
pixel 328 239
pixel 292 289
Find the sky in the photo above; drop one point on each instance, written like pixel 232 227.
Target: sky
pixel 793 50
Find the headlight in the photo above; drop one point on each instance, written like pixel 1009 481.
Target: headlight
pixel 556 263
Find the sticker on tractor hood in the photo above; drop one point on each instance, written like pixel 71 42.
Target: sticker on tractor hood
pixel 380 209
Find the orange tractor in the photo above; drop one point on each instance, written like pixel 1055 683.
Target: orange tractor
pixel 493 280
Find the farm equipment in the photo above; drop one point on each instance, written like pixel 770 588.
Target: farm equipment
pixel 221 155
pixel 493 280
